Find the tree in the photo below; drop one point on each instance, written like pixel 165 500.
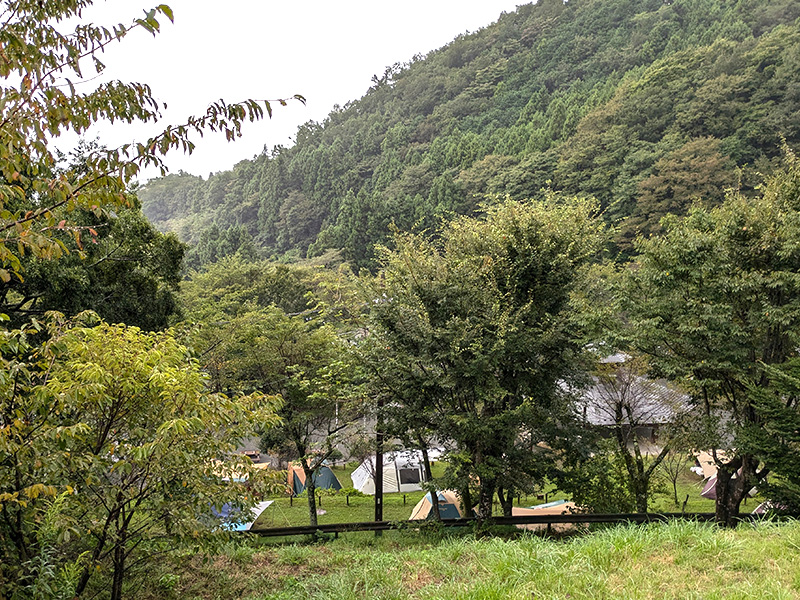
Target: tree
pixel 128 274
pixel 298 358
pixel 130 433
pixel 473 332
pixel 40 68
pixel 597 481
pixel 673 466
pixel 714 302
pixel 695 170
pixel 624 400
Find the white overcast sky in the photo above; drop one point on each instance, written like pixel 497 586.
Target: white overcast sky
pixel 238 49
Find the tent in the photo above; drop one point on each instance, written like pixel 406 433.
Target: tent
pixel 449 506
pixel 324 478
pixel 558 507
pixel 227 513
pixel 707 465
pixel 767 506
pixel 710 488
pixel 402 472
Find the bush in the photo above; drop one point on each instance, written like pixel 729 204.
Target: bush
pixel 598 484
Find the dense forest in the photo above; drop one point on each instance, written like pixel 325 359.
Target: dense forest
pixel 644 105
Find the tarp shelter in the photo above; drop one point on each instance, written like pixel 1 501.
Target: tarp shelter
pixel 710 488
pixel 324 478
pixel 226 513
pixel 449 506
pixel 707 464
pixel 558 507
pixel 402 472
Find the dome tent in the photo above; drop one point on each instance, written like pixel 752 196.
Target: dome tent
pixel 231 518
pixel 324 478
pixel 449 506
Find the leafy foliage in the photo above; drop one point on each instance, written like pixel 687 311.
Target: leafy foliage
pixel 714 302
pixel 121 421
pixel 129 273
pixel 598 483
pixel 248 343
pixel 471 337
pixel 40 68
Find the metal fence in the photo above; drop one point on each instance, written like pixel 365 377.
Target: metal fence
pixel 337 528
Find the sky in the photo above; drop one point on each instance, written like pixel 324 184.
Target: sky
pixel 262 49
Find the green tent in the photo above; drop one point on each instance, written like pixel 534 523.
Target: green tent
pixel 324 478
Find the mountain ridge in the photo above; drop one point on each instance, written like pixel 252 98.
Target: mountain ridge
pixel 644 105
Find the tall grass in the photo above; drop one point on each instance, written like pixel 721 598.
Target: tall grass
pixel 677 560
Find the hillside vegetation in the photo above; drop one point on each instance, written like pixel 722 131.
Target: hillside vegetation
pixel 645 105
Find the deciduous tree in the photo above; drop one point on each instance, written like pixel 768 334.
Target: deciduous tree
pixel 715 303
pixel 122 421
pixel 623 400
pixel 474 332
pixel 40 69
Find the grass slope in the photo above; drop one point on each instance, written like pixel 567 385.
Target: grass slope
pixel 676 560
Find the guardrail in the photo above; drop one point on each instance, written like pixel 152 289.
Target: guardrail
pixel 337 528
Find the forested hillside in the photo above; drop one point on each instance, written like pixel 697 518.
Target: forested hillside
pixel 644 104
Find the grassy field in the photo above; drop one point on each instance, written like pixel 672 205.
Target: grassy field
pixel 679 560
pixel 398 507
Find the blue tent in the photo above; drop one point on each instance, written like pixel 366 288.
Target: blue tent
pixel 228 513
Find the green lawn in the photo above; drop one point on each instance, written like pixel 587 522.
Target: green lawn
pixel 679 560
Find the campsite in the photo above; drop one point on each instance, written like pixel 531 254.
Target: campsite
pixel 398 506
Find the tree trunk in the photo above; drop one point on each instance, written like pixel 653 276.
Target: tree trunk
pixel 89 569
pixel 466 501
pixel 379 441
pixel 732 490
pixel 640 491
pixel 727 503
pixel 485 500
pixel 311 490
pixel 119 569
pixel 506 501
pixel 429 478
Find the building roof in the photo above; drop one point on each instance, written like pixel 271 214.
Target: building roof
pixel 652 402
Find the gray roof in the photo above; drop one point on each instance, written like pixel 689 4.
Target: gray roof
pixel 651 402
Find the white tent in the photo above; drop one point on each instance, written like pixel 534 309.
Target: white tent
pixel 226 513
pixel 402 472
pixel 255 512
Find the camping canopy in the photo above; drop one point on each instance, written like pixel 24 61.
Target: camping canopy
pixel 558 507
pixel 402 472
pixel 710 488
pixel 449 506
pixel 323 477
